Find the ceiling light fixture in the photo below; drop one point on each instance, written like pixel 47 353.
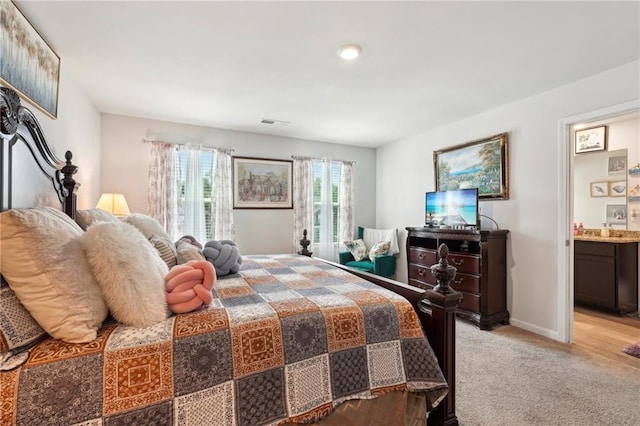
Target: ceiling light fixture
pixel 349 52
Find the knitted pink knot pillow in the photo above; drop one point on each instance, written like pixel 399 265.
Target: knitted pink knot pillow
pixel 188 286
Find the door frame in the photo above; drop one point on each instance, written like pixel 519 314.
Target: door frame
pixel 565 209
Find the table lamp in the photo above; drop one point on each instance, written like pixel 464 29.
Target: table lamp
pixel 114 204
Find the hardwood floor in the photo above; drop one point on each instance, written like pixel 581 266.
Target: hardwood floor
pixel 605 335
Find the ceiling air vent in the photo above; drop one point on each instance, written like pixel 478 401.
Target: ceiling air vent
pixel 274 122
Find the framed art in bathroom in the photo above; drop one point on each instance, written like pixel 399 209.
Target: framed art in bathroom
pixel 618 188
pixel 599 189
pixel 617 214
pixel 617 165
pixel 591 139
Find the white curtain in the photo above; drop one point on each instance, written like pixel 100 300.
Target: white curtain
pixel 345 211
pixel 302 201
pixel 223 228
pixel 194 215
pixel 161 196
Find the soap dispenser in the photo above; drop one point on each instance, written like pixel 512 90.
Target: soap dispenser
pixel 604 231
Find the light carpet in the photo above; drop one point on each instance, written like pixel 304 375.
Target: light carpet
pixel 509 376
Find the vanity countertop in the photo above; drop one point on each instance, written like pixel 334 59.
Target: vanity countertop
pixel 616 236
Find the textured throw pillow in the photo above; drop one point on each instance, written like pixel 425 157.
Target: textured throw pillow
pixel 43 262
pixel 357 248
pixel 86 218
pixel 166 249
pixel 18 329
pixel 187 252
pixel 129 272
pixel 378 249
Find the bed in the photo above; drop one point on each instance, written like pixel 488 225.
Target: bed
pixel 288 339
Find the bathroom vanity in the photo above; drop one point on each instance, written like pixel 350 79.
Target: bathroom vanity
pixel 606 273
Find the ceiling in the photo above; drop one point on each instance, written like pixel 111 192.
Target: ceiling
pixel 423 64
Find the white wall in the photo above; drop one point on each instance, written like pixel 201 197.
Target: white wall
pixel 124 168
pixel 77 129
pixel 405 173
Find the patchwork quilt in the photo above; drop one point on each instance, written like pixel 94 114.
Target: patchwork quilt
pixel 288 338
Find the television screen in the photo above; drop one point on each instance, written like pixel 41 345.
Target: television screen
pixel 456 207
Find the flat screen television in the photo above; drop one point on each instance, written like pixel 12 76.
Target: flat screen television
pixel 455 208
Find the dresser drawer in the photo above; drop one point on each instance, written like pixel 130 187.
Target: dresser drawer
pixel 422 256
pixel 466 283
pixel 470 302
pixel 465 263
pixel 421 273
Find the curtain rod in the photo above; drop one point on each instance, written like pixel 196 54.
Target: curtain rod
pixel 178 144
pixel 300 157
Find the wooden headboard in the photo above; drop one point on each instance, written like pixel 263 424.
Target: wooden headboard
pixel 23 142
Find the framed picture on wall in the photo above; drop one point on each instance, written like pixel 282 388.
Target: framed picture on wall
pixel 27 63
pixel 618 188
pixel 591 139
pixel 617 165
pixel 617 214
pixel 599 189
pixel 482 164
pixel 261 183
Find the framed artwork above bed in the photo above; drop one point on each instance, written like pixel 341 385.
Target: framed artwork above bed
pixel 28 64
pixel 261 183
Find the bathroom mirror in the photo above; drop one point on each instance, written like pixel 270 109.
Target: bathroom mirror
pixel 600 189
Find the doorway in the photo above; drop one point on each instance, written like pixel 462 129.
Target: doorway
pixel 566 209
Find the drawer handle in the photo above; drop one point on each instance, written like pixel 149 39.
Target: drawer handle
pixel 458 262
pixel 459 280
pixel 421 272
pixel 421 256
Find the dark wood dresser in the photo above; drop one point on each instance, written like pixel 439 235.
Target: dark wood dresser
pixel 606 276
pixel 480 258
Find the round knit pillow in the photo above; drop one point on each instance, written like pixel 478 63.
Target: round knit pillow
pixel 223 255
pixel 188 286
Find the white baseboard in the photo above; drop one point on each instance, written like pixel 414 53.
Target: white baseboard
pixel 551 334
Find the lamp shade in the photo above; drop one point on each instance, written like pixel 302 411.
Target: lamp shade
pixel 114 204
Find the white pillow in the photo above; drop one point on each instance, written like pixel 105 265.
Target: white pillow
pixel 44 264
pixel 129 272
pixel 86 218
pixel 358 249
pixel 378 249
pixel 147 225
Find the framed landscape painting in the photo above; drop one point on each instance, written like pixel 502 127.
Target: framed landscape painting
pixel 27 63
pixel 481 164
pixel 260 183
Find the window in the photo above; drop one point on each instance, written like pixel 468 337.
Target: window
pixel 326 196
pixel 194 188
